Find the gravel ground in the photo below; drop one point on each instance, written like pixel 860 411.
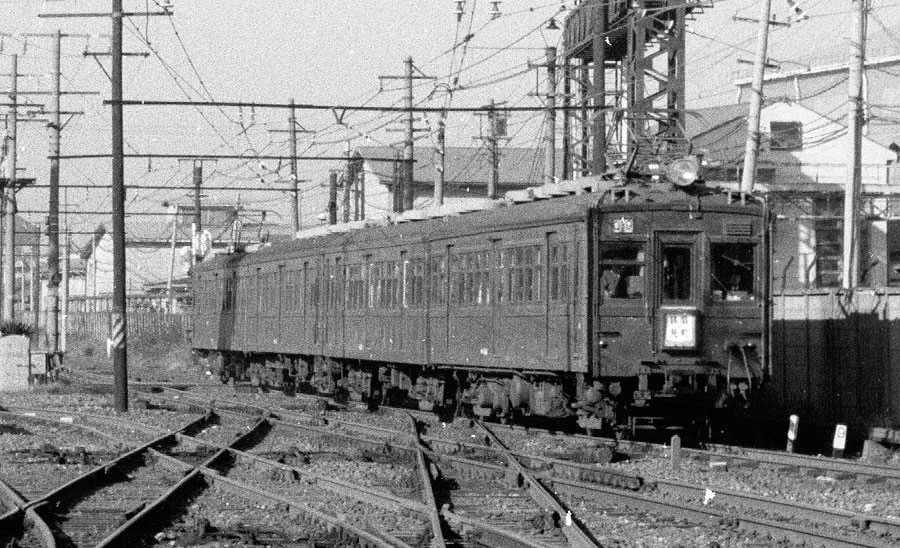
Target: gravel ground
pixel 821 491
pixel 394 472
pixel 620 526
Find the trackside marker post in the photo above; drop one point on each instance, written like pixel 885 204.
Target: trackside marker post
pixel 792 433
pixel 840 441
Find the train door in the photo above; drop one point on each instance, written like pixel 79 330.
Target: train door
pixel 678 299
pixel 438 310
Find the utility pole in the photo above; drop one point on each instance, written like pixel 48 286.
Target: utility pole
pixel 408 179
pixel 118 326
pixel 439 158
pixel 409 140
pixel 54 276
pixel 347 186
pixel 197 228
pixel 292 131
pixel 295 205
pixel 495 152
pixel 550 120
pixel 493 140
pixel 332 198
pixel 756 98
pixel 858 14
pixel 9 196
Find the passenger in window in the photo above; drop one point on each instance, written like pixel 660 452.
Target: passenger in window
pixel 610 280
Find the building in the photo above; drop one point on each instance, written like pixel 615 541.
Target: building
pixel 799 147
pixel 467 172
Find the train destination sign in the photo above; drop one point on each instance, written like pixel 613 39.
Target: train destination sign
pixel 681 330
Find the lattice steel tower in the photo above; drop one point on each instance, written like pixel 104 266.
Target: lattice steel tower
pixel 623 65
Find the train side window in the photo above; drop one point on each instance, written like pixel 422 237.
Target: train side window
pixel 521 274
pixel 414 294
pixel 676 272
pixel 731 272
pixel 558 272
pixel 471 278
pixel 437 271
pixel 622 270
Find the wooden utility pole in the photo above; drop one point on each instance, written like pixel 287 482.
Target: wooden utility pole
pixel 9 196
pixel 550 120
pixel 118 326
pixel 756 98
pixel 850 278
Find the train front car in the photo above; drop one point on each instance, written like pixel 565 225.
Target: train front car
pixel 680 306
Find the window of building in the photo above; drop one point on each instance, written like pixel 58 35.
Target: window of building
pixel 558 272
pixel 731 274
pixel 785 135
pixel 622 270
pixel 676 272
pixel 829 253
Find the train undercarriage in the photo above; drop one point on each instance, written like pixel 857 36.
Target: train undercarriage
pixel 698 404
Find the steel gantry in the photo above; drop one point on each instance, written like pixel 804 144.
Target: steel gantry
pixel 623 64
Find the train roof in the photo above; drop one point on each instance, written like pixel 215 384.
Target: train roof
pixel 520 209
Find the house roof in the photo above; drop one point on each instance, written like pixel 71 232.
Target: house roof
pixel 701 120
pixel 468 165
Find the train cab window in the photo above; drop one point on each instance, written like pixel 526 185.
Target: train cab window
pixel 622 270
pixel 731 271
pixel 676 272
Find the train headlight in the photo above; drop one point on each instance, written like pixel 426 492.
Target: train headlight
pixel 684 172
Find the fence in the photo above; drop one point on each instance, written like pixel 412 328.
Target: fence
pixel 142 324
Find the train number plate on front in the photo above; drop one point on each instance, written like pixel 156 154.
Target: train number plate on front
pixel 681 331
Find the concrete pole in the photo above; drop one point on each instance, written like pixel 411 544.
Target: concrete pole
pixel 35 256
pixel 550 120
pixel 408 190
pixel 850 278
pixel 439 159
pixel 348 184
pixel 169 294
pixel 53 275
pixel 9 197
pixel 198 211
pixel 495 153
pixel 64 299
pixel 295 191
pixel 756 98
pixel 332 198
pixel 118 325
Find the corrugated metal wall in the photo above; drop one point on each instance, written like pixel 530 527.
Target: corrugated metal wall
pixel 836 359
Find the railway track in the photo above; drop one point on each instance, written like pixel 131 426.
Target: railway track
pixel 471 462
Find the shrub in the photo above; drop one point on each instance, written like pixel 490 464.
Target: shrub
pixel 16 327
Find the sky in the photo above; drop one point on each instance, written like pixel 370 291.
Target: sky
pixel 328 52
